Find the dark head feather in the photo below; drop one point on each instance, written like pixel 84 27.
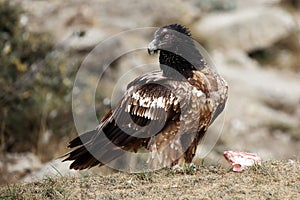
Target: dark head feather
pixel 177 50
pixel 180 28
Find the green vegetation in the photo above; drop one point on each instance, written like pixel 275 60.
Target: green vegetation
pixel 35 87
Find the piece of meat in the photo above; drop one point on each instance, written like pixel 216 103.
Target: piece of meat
pixel 241 160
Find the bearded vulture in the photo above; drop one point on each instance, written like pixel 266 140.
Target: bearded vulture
pixel 165 112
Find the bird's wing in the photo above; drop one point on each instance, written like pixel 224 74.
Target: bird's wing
pixel 144 111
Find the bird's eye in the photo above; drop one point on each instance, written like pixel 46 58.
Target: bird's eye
pixel 167 36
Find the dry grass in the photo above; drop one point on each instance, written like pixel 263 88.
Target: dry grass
pixel 272 180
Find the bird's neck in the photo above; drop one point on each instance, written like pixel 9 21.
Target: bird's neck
pixel 181 63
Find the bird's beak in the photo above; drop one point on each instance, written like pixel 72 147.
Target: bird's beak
pixel 153 47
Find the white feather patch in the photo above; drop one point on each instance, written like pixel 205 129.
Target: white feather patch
pixel 197 93
pixel 135 95
pixel 160 103
pixel 128 108
pixel 172 145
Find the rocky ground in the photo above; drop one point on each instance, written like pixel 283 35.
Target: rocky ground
pixel 255 45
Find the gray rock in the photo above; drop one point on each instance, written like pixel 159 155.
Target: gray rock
pixel 20 163
pixel 215 5
pixel 84 39
pixel 133 13
pixel 255 3
pixel 53 168
pixel 246 29
pixel 248 112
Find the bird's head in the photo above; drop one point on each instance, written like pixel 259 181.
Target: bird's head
pixel 169 38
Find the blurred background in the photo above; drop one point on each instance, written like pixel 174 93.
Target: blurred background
pixel 255 45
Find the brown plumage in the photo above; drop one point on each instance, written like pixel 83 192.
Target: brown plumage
pixel 167 112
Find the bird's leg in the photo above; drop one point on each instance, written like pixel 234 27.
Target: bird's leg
pixel 187 168
pixel 190 168
pixel 177 168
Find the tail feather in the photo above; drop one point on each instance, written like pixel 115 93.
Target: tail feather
pixel 73 155
pixel 97 148
pixel 84 138
pixel 83 158
pixel 85 161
